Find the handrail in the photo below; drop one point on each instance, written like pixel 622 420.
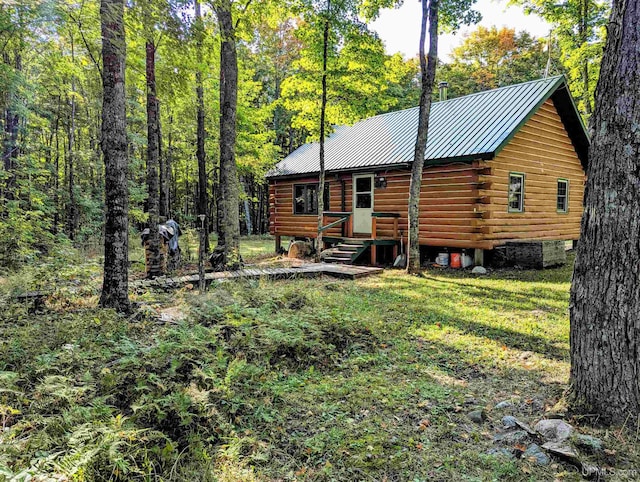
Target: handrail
pixel 344 217
pixel 374 223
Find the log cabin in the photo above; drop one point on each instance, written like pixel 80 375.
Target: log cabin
pixel 500 165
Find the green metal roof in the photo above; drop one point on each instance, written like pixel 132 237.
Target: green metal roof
pixel 475 126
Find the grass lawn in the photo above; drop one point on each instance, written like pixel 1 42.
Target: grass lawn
pixel 293 380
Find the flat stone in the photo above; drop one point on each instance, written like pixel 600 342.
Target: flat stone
pixel 510 421
pixel 479 270
pixel 477 416
pixel 535 453
pixel 504 404
pixel 525 427
pixel 588 443
pixel 554 430
pixel 564 451
pixel 511 437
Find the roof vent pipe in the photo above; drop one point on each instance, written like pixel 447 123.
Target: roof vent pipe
pixel 443 87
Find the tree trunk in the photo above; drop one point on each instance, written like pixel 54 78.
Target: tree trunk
pixel 11 149
pixel 247 208
pixel 323 112
pixel 164 212
pixel 169 169
pixel 227 252
pixel 428 74
pixel 56 178
pixel 201 133
pixel 605 295
pixel 583 35
pixel 155 259
pixel 71 208
pixel 216 201
pixel 114 147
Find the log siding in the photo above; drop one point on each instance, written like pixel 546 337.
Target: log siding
pixel 465 204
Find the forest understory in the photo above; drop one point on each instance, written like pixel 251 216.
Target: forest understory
pixel 321 379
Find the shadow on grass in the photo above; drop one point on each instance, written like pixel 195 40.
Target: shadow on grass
pixel 497 298
pixel 555 275
pixel 508 337
pixel 443 306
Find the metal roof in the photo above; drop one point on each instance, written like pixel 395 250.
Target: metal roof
pixel 470 127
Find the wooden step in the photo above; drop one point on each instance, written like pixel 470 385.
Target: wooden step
pixel 335 259
pixel 353 241
pixel 348 247
pixel 342 254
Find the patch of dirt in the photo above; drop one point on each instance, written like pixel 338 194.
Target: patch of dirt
pixel 172 314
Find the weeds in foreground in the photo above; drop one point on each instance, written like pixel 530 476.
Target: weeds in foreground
pixel 301 380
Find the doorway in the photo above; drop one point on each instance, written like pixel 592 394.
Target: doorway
pixel 362 203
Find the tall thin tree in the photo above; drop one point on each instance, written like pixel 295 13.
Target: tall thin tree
pixel 11 148
pixel 200 131
pixel 155 261
pixel 227 252
pixel 605 295
pixel 323 113
pixel 72 208
pixel 427 78
pixel 114 148
pixel 163 165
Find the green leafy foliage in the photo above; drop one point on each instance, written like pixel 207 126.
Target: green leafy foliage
pixel 304 379
pixel 579 27
pixel 489 58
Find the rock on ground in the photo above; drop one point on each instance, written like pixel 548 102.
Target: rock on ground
pixel 509 421
pixel 554 430
pixel 511 437
pixel 564 451
pixel 588 443
pixel 477 416
pixel 535 453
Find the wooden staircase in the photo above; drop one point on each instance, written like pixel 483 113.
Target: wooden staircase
pixel 347 251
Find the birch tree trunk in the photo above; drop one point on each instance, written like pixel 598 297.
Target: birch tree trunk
pixel 114 148
pixel 605 295
pixel 428 74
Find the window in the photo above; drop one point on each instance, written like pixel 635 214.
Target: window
pixel 363 192
pixel 563 196
pixel 516 193
pixel 305 199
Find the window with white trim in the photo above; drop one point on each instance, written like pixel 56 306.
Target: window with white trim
pixel 562 202
pixel 516 192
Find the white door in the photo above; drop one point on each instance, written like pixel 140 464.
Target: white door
pixel 362 203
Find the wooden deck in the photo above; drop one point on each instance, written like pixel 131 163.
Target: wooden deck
pixel 309 270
